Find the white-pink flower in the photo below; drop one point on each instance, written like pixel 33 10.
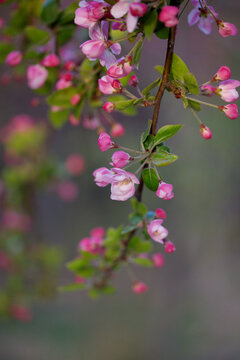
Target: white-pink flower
pixel 226 29
pixel 123 185
pixel 123 7
pixel 36 76
pixel 156 231
pixel 14 58
pixel 105 142
pixel 223 73
pixel 103 176
pixel 99 47
pixel 227 90
pixel 107 85
pixel 90 12
pixel 230 110
pixel 202 16
pixel 120 159
pixel 51 60
pixel 164 191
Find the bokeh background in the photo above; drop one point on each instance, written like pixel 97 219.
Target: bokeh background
pixel 192 308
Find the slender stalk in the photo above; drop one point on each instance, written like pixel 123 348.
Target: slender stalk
pixel 202 102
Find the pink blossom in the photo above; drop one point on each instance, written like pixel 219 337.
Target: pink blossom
pixel 103 176
pixel 75 164
pixel 73 120
pixel 231 110
pixel 160 214
pixel 168 16
pixel 21 313
pixel 202 16
pixel 223 73
pixel 139 287
pixel 63 84
pixel 107 85
pixel 36 75
pixel 169 247
pixel 14 58
pixel 205 132
pixel 118 26
pixel 208 90
pixel 105 142
pixel 91 123
pixel 156 231
pixel 79 279
pixel 67 190
pixel 138 9
pixel 51 60
pixel 123 185
pixel 133 81
pixel 226 29
pixel 117 130
pixel 164 191
pixel 121 69
pixel 109 106
pixel 13 220
pixel 227 90
pixel 122 7
pixel 158 260
pixel 98 232
pixel 69 65
pixel 90 12
pixel 100 47
pixel 86 245
pixel 75 99
pixel 120 159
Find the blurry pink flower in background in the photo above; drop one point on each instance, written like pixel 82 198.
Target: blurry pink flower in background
pixel 67 190
pixel 75 164
pixel 13 220
pixel 13 58
pixel 36 75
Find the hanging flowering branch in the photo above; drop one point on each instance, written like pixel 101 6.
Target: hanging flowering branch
pixel 90 86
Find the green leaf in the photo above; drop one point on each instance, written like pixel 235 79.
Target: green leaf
pixel 65 33
pixel 5 49
pixel 135 219
pixel 191 83
pixel 159 68
pixel 194 105
pixel 139 207
pixel 81 267
pixel 178 68
pixel 59 118
pixel 71 287
pixel 113 236
pixel 137 53
pixel 148 143
pixel 143 262
pixel 163 158
pixel 162 33
pixel 108 290
pixel 146 132
pixel 165 133
pixel 150 179
pixel 128 229
pixel 50 11
pixel 121 105
pixel 139 246
pixel 151 86
pixel 150 22
pixel 37 36
pixel 62 97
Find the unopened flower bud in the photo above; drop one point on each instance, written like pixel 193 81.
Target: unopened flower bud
pixel 227 29
pixel 14 58
pixel 169 247
pixel 205 132
pixel 105 142
pixel 133 81
pixel 109 106
pixel 158 260
pixel 160 214
pixel 117 130
pixel 138 9
pixel 139 287
pixel 230 110
pixel 75 99
pixel 224 73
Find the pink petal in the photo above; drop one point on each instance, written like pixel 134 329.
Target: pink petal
pixel 120 9
pixel 116 48
pixel 205 25
pixel 107 59
pixel 193 17
pixel 131 22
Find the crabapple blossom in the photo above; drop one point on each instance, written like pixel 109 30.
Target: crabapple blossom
pixel 105 142
pixel 120 159
pixel 120 69
pixel 158 260
pixel 107 85
pixel 169 247
pixel 75 164
pixel 79 279
pixel 227 90
pixel 73 120
pixel 63 83
pixel 202 16
pixel 226 29
pixel 36 76
pixel 90 122
pixel 223 73
pixel 14 58
pixel 133 81
pixel 98 232
pixel 138 9
pixel 122 7
pixel 67 190
pixel 109 106
pixel 21 313
pixel 168 15
pixel 230 110
pixel 164 191
pixel 99 47
pixel 160 214
pixel 75 99
pixel 156 231
pixel 139 287
pixel 51 60
pixel 208 90
pixel 90 12
pixel 123 185
pixel 103 176
pixel 13 220
pixel 117 130
pixel 205 132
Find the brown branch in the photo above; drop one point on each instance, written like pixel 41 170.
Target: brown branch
pixel 107 272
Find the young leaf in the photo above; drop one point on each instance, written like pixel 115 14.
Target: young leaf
pixel 163 158
pixel 37 36
pixel 146 132
pixel 165 133
pixel 151 86
pixel 71 287
pixel 50 11
pixel 139 207
pixel 150 179
pixel 59 118
pixel 5 49
pixel 139 246
pixel 137 52
pixel 178 68
pixel 159 68
pixel 143 262
pixel 150 22
pixel 62 97
pixel 121 105
pixel 194 105
pixel 191 83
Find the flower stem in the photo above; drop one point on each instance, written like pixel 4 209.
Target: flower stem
pixel 202 102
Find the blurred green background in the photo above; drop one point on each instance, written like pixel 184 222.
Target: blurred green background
pixel 192 308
